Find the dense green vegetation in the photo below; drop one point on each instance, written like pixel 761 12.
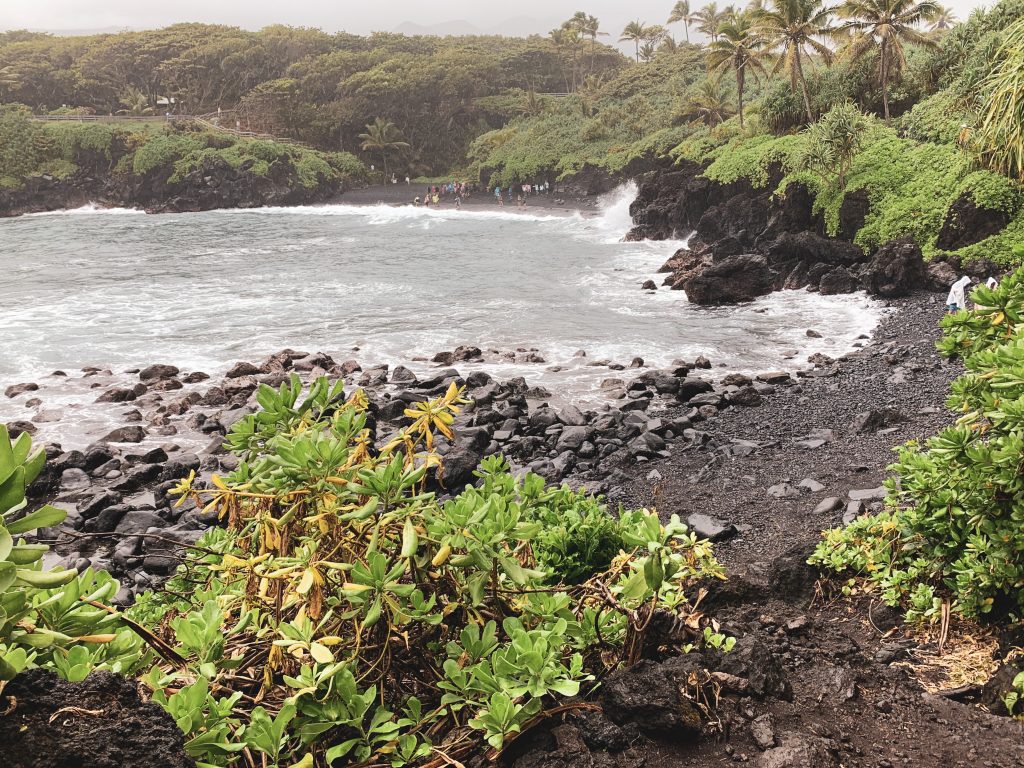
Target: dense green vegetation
pixel 305 84
pixel 29 148
pixel 344 615
pixel 953 529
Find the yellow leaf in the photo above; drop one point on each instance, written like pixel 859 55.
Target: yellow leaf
pixel 442 555
pixel 306 583
pixel 321 653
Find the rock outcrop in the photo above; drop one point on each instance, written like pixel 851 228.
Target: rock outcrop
pixel 731 227
pixel 214 184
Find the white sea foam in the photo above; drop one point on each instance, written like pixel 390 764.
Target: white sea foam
pixel 91 209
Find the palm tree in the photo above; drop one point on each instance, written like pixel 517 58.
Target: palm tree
pixel 740 47
pixel 708 103
pixel 998 138
pixel 532 105
pixel 681 12
pixel 944 19
pixel 886 25
pixel 635 32
pixel 648 51
pixel 708 18
pixel 794 26
pixel 591 27
pixel 382 136
pixel 135 102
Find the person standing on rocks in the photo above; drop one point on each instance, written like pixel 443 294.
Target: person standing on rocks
pixel 957 298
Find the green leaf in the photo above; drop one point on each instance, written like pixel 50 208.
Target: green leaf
pixel 12 493
pixel 42 518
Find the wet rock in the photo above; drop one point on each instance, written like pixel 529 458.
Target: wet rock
pixel 18 389
pixel 129 434
pixel 158 372
pixel 774 377
pixel 73 479
pixel 730 281
pixel 837 281
pixel 649 285
pixel 69 460
pixel 122 394
pixel 242 369
pixel 91 506
pixel 402 375
pixel 98 455
pixel 896 269
pixel 195 377
pixel 692 387
pixel 16 428
pixel 747 396
pixel 647 695
pixel 572 438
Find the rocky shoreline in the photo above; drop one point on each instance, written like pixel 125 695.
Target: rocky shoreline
pixel 171 422
pixel 213 185
pixel 745 241
pixel 760 464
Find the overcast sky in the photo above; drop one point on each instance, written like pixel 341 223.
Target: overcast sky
pixel 335 15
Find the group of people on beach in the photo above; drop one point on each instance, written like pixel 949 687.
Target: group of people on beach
pixel 455 190
pixel 957 298
pixel 520 192
pixel 460 191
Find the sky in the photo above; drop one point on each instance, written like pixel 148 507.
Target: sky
pixel 519 17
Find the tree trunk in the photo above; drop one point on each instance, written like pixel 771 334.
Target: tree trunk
pixel 803 85
pixel 686 27
pixel 739 93
pixel 637 42
pixel 883 63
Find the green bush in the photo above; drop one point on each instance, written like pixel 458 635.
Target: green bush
pixel 376 621
pixel 165 150
pixel 953 528
pixel 19 145
pixel 47 618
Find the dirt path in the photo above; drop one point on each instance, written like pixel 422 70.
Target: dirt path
pixel 851 699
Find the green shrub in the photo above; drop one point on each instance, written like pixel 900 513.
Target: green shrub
pixel 46 617
pixel 938 119
pixel 70 138
pixel 953 528
pixel 20 152
pixel 165 150
pixel 374 620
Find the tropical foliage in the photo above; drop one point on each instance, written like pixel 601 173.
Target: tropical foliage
pixel 952 532
pixel 374 622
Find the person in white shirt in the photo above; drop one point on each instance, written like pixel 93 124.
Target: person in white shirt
pixel 957 298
